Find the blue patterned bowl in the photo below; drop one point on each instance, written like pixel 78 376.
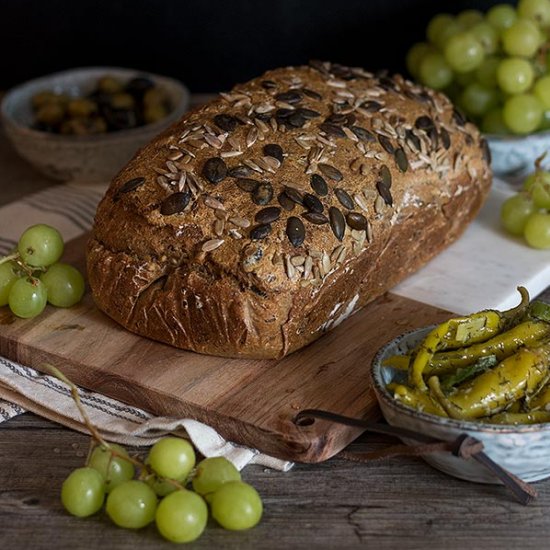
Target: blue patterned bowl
pixel 514 156
pixel 523 450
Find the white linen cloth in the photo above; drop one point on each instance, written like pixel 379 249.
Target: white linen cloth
pixel 70 208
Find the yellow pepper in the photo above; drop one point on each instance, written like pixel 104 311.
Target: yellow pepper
pixel 419 400
pixel 519 375
pixel 540 401
pixel 501 346
pixel 462 332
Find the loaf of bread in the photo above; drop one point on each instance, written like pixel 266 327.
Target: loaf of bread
pixel 266 217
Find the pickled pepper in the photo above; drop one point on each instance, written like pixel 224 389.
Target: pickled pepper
pixel 519 375
pixel 463 332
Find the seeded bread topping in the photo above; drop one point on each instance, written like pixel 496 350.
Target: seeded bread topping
pixel 265 217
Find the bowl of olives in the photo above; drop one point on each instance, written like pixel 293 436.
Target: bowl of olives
pixel 85 124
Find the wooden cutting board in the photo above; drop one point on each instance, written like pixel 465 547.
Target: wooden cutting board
pixel 252 402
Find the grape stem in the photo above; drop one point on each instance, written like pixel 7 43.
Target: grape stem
pixel 16 257
pixel 539 160
pixel 9 258
pixel 76 398
pixel 94 432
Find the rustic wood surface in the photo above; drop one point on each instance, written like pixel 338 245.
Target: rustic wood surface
pixel 251 402
pixel 400 503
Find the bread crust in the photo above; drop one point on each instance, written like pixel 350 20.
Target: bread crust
pixel 212 279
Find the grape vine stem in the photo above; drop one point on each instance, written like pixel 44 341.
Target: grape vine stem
pixel 9 258
pixel 94 432
pixel 16 257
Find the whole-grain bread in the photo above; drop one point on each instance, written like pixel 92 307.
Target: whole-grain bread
pixel 263 219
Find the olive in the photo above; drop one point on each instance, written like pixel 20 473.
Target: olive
pixel 75 126
pixel 112 105
pixel 109 85
pixel 42 98
pixel 50 113
pixel 154 96
pixel 120 119
pixel 154 113
pixel 122 100
pixel 139 85
pixel 81 107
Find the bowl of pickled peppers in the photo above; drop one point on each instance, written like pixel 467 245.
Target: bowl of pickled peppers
pixel 84 124
pixel 486 375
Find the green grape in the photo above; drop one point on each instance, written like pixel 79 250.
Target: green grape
pixel 542 90
pixel 540 190
pixel 522 113
pixel 537 10
pixel 515 75
pixel 161 486
pixel 172 457
pixel 415 55
pixel 477 99
pixel 468 18
pixel 114 469
pixel 515 211
pixel 181 516
pixel 463 52
pixel 545 124
pixel 83 492
pixel 236 506
pixel 437 25
pixel 27 297
pixel 537 230
pixel 434 71
pixel 453 28
pixel 132 504
pixel 211 473
pixel 538 176
pixel 40 245
pixel 487 37
pixel 529 181
pixel 463 79
pixel 65 285
pixel 493 122
pixel 8 275
pixel 486 73
pixel 501 16
pixel 523 38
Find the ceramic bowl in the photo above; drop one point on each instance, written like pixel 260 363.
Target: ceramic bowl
pixel 524 450
pixel 513 157
pixel 95 158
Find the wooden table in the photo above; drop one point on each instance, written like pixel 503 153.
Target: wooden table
pixel 399 503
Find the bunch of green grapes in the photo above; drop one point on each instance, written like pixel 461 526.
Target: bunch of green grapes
pixel 527 213
pixel 494 66
pixel 32 275
pixel 169 490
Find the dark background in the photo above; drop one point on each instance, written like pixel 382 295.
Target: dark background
pixel 210 44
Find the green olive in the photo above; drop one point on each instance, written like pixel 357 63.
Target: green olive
pixel 154 96
pixel 122 101
pixel 42 98
pixel 109 85
pixel 81 107
pixel 50 113
pixel 154 113
pixel 75 126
